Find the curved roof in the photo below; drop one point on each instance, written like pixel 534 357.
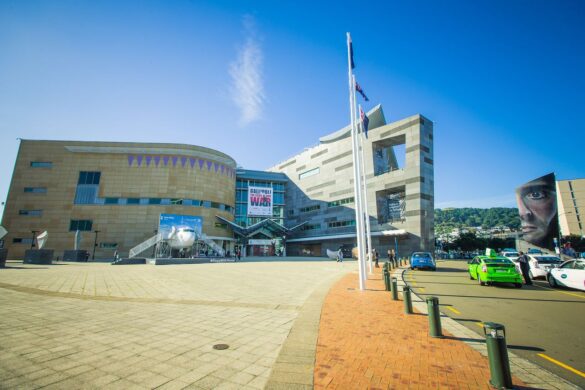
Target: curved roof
pixel 376 117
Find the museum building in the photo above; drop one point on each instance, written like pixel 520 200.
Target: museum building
pixel 115 194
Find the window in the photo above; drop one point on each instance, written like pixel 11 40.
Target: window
pixel 309 173
pixel 206 204
pixel 278 198
pixel 291 212
pixel 133 201
pixel 340 202
pixel 314 226
pixel 338 224
pixel 36 190
pixel 41 164
pixel 108 245
pixel 310 208
pixel 31 213
pixel 26 241
pixel 215 205
pixel 111 201
pixel 176 201
pixel 221 225
pixel 84 225
pixel 89 177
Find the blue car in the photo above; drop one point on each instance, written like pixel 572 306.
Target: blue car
pixel 422 260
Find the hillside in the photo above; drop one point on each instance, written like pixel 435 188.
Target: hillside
pixel 447 219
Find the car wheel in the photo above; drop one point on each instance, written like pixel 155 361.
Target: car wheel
pixel 518 285
pixel 479 280
pixel 551 281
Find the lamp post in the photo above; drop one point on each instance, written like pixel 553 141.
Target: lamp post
pixel 94 244
pixel 32 243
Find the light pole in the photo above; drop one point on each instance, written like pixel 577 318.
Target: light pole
pixel 94 244
pixel 32 243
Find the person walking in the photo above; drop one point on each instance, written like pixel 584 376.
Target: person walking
pixel 340 255
pixel 523 259
pixel 376 257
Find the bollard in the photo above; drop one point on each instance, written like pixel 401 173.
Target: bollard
pixel 394 289
pixel 386 280
pixel 390 265
pixel 495 339
pixel 407 300
pixel 434 317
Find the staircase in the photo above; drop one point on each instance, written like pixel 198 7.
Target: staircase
pixel 210 243
pixel 144 245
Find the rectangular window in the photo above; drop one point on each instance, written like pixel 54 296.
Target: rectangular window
pixel 215 205
pixel 111 201
pixel 309 208
pixel 278 198
pixel 340 202
pixel 206 204
pixel 41 164
pixel 314 226
pixel 339 224
pixel 108 245
pixel 86 194
pixel 31 213
pixel 26 241
pixel 133 201
pixel 84 225
pixel 309 173
pixel 36 190
pixel 89 177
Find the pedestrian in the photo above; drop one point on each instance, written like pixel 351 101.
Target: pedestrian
pixel 393 257
pixel 340 255
pixel 523 259
pixel 376 257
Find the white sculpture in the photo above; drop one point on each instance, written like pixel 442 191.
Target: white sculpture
pixel 182 237
pixel 332 254
pixel 42 239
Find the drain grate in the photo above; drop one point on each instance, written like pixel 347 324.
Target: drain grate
pixel 221 346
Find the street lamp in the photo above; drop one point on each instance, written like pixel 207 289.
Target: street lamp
pixel 94 244
pixel 32 243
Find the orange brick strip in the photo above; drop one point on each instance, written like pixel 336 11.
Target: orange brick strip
pixel 367 342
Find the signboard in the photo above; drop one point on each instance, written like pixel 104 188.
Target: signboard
pixel 537 206
pixel 260 242
pixel 395 206
pixel 167 221
pixel 260 201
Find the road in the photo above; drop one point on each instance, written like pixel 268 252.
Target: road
pixel 543 325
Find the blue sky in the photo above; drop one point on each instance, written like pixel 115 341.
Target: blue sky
pixel 261 80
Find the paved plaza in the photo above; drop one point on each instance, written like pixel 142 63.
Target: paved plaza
pixel 91 325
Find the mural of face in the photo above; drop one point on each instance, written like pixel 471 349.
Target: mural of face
pixel 537 207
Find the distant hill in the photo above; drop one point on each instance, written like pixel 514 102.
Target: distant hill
pixel 447 219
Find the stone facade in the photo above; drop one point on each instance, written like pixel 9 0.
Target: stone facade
pixel 321 190
pixel 571 201
pixel 42 194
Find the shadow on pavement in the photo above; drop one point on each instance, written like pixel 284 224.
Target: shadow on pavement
pixel 507 298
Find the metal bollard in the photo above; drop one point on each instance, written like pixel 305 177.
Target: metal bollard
pixel 394 289
pixel 386 280
pixel 407 300
pixel 434 317
pixel 495 339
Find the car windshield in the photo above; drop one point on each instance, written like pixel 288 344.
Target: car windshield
pixel 421 256
pixel 548 259
pixel 579 265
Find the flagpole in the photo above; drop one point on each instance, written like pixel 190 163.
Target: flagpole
pixel 362 248
pixel 355 164
pixel 365 197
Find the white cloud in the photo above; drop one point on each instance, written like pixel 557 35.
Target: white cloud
pixel 247 89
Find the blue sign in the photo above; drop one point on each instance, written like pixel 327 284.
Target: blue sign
pixel 167 221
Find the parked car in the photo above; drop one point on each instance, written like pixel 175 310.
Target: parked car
pixel 422 260
pixel 532 251
pixel 511 255
pixel 490 269
pixel 540 265
pixel 569 274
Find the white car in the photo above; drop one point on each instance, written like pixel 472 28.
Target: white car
pixel 513 256
pixel 569 274
pixel 540 265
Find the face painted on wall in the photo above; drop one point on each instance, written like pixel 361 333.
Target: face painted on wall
pixel 537 207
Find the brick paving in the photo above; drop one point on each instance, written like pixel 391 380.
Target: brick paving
pixel 367 342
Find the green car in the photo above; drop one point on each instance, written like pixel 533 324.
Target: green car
pixel 489 269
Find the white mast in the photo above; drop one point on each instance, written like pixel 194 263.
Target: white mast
pixel 365 195
pixel 356 172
